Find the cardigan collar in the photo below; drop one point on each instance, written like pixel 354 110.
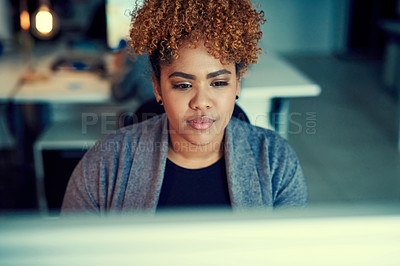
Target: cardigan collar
pixel 243 180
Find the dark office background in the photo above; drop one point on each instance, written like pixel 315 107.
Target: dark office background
pixel 365 36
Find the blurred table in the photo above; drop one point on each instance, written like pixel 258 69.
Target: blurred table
pixel 81 111
pixel 72 88
pixel 11 69
pixel 45 85
pixel 273 78
pixel 64 98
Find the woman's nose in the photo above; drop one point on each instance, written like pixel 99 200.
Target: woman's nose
pixel 201 100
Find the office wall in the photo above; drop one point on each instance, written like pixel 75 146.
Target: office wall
pixel 304 26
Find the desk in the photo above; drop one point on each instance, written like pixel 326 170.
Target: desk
pixel 70 96
pixel 82 112
pixel 65 136
pixel 272 78
pixel 62 86
pixel 11 68
pixel 74 132
pixel 71 88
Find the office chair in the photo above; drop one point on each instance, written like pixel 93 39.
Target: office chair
pixel 151 108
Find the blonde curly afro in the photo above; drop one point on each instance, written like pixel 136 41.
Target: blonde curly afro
pixel 230 29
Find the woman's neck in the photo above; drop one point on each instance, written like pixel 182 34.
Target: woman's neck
pixel 192 156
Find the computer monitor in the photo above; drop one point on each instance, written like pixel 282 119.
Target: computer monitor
pixel 325 237
pixel 118 21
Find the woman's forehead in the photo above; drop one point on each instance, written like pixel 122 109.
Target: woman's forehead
pixel 196 59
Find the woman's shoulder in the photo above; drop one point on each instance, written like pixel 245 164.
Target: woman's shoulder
pixel 263 142
pixel 254 133
pixel 129 136
pixel 150 126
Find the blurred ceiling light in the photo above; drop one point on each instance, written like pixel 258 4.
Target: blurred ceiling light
pixel 44 20
pixel 45 23
pixel 25 20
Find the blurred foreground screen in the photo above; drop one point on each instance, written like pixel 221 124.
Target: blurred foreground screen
pixel 353 235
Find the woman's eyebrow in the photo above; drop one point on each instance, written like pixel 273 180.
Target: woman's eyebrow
pixel 192 77
pixel 182 75
pixel 217 73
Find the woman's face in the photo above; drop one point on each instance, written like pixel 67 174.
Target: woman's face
pixel 198 94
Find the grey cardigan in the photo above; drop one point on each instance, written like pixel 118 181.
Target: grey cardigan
pixel 124 171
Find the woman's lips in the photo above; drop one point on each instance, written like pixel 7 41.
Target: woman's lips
pixel 200 122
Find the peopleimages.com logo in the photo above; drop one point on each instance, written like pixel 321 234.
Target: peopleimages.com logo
pixel 294 122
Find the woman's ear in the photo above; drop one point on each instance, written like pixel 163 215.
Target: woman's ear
pixel 156 88
pixel 238 85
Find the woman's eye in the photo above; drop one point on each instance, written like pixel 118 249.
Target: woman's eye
pixel 219 84
pixel 182 86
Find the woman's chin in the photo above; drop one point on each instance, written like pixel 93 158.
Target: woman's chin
pixel 195 143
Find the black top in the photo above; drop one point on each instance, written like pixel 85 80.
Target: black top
pixel 205 187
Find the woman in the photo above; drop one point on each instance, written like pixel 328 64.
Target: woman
pixel 195 155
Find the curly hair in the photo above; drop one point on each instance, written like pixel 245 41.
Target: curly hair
pixel 230 29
